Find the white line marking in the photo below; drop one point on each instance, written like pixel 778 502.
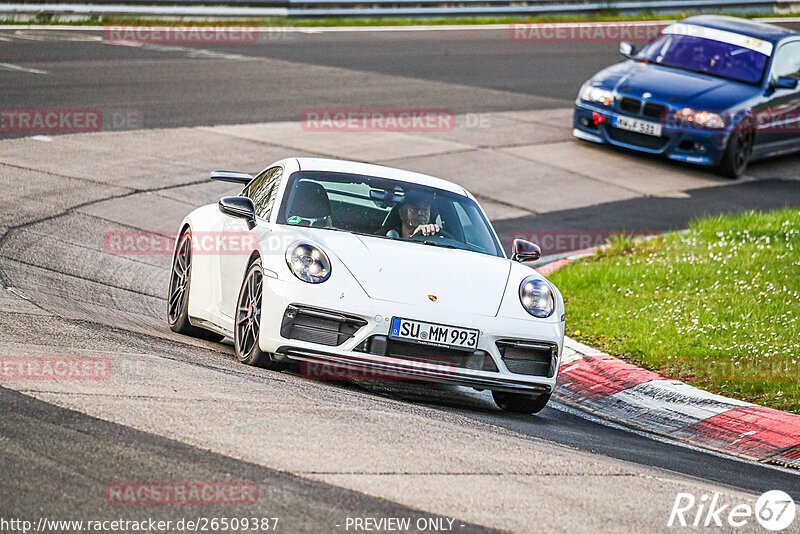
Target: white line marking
pixel 195 53
pixel 17 68
pixel 42 138
pixel 34 35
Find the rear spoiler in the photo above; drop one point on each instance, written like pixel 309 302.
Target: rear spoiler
pixel 231 176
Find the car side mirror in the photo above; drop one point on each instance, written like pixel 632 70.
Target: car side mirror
pixel 627 49
pixel 239 207
pixel 785 82
pixel 523 251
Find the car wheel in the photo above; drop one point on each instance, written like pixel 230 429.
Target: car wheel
pixel 738 151
pixel 248 320
pixel 178 302
pixel 520 402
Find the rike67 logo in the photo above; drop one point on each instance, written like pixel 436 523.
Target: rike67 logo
pixel 774 510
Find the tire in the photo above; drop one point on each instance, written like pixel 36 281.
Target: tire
pixel 737 154
pixel 178 300
pixel 520 402
pixel 247 327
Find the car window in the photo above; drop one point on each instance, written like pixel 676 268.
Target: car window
pixel 262 190
pixel 702 50
pixel 474 234
pixel 787 62
pixel 377 206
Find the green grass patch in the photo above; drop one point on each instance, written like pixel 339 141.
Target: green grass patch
pixel 74 20
pixel 717 306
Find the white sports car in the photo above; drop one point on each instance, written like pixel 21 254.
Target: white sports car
pixel 375 270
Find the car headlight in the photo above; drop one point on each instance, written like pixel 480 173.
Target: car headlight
pixel 596 94
pixel 537 297
pixel 308 263
pixel 701 118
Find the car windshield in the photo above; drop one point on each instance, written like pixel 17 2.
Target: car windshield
pixel 388 209
pixel 714 52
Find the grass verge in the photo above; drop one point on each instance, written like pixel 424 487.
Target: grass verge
pixel 717 306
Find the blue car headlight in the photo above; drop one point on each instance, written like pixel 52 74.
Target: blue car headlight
pixel 597 94
pixel 308 263
pixel 536 296
pixel 705 119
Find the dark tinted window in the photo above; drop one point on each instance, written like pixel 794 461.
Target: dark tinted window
pixel 787 61
pixel 708 56
pixel 369 205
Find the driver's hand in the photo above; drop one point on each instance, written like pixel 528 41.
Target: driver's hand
pixel 426 229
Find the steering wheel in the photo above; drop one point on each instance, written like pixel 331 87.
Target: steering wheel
pixel 441 234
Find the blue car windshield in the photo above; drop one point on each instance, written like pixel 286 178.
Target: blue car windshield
pixel 708 56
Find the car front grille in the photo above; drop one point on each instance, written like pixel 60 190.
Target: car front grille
pixel 384 346
pixel 633 106
pixel 318 326
pixel 654 111
pixel 529 357
pixel 630 105
pixel 636 139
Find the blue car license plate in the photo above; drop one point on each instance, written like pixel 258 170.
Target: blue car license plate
pixel 638 126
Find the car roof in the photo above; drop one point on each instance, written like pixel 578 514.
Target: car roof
pixel 354 167
pixel 759 30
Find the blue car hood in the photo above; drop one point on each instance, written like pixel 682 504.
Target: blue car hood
pixel 673 87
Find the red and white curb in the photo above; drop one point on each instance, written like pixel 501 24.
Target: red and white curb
pixel 622 392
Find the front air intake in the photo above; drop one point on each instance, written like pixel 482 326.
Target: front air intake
pixel 529 357
pixel 319 326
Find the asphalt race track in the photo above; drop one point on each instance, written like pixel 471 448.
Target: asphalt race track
pixel 176 408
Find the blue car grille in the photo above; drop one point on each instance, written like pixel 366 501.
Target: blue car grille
pixel 654 111
pixel 630 105
pixel 633 106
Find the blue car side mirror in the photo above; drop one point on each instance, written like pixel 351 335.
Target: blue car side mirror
pixel 627 49
pixel 785 82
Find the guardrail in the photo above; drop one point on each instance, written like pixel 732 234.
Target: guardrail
pixel 387 8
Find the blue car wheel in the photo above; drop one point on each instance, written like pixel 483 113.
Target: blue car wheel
pixel 737 154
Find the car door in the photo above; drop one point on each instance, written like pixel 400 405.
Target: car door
pixel 262 190
pixel 778 119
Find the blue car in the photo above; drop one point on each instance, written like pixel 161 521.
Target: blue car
pixel 710 90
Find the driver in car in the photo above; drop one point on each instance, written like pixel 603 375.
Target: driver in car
pixel 415 217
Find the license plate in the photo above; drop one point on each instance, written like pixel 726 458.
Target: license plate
pixel 635 125
pixel 434 334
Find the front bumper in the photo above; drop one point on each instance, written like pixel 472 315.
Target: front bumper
pixel 690 145
pixel 375 316
pixel 381 367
